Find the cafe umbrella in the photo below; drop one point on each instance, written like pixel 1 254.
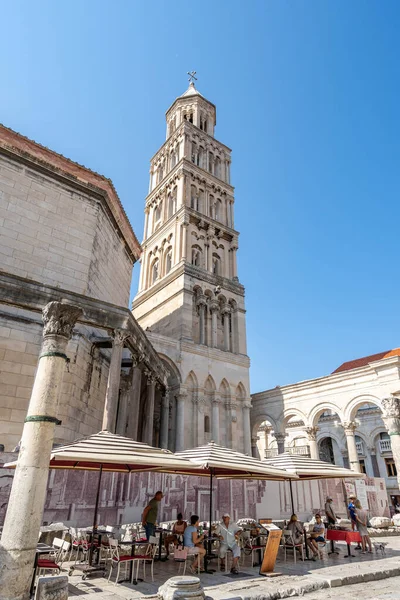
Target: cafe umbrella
pixel 309 468
pixel 109 452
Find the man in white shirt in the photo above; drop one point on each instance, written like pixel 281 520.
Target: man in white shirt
pixel 227 533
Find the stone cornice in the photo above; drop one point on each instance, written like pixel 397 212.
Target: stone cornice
pixel 96 313
pixel 205 175
pixel 58 167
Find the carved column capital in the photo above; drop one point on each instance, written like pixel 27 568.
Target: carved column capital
pixel 226 309
pixel 201 300
pixel 247 405
pixel 216 399
pixel 279 436
pixel 312 433
pixel 59 318
pixel 125 382
pixel 120 336
pixel 391 407
pixel 214 305
pixel 349 427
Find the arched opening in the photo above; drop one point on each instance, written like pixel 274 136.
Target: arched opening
pixel 266 444
pixel 207 424
pixel 326 450
pixel 155 271
pixel 168 261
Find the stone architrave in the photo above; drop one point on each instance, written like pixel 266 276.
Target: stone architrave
pixel 280 438
pixel 52 588
pixel 114 374
pixel 391 419
pixel 312 441
pixel 28 492
pixel 349 429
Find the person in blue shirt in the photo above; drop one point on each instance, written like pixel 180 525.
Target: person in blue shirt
pixel 193 541
pixel 352 512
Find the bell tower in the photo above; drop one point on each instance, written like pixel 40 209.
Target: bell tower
pixel 190 300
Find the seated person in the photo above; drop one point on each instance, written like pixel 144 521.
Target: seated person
pixel 177 533
pixel 227 533
pixel 297 531
pixel 193 541
pixel 317 535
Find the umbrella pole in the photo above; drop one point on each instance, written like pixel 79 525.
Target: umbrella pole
pixel 95 516
pixel 291 495
pixel 211 490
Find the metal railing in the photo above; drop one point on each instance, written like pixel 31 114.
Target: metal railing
pixel 302 450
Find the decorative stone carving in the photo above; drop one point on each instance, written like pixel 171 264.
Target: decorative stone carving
pixel 120 336
pixel 60 318
pixel 181 587
pixel 349 427
pixel 311 433
pixel 52 588
pixel 391 407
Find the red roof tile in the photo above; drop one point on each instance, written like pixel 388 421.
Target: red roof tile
pixel 363 362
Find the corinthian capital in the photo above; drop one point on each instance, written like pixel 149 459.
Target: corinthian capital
pixel 59 318
pixel 280 437
pixel 120 336
pixel 391 408
pixel 311 433
pixel 349 427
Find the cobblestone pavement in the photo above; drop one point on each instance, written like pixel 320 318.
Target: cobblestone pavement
pixel 294 579
pixel 387 589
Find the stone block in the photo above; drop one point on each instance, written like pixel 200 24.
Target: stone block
pixel 181 587
pixel 380 522
pixel 52 588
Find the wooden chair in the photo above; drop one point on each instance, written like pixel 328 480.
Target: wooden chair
pixel 288 544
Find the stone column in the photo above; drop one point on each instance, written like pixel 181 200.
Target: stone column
pixel 215 418
pixel 184 241
pixel 164 420
pixel 254 449
pixel 125 387
pixel 201 303
pixel 234 265
pixel 312 441
pixel 349 429
pixel 146 222
pixel 214 308
pixel 231 421
pixel 134 402
pixel 149 409
pixel 180 421
pixel 280 438
pixel 246 428
pixel 391 419
pixel 114 374
pixel 227 342
pixel 28 492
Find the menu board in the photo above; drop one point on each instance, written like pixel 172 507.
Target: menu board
pixel 271 551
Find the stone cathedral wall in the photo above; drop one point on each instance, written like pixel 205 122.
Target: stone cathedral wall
pixel 56 235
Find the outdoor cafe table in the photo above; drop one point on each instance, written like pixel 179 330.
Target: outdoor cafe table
pixel 336 535
pixel 40 549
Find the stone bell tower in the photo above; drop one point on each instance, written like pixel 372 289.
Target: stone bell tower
pixel 190 301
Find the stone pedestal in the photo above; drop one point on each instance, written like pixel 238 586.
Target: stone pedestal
pixel 28 492
pixel 181 587
pixel 52 588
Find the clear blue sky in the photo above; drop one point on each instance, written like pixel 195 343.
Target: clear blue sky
pixel 308 98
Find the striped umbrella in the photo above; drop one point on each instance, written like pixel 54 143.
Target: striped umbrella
pixel 223 463
pixel 309 468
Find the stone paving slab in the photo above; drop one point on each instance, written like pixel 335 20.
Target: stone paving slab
pixel 295 579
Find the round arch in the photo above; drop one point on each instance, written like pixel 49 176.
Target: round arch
pixel 174 378
pixel 351 408
pixel 317 411
pixel 256 422
pixel 292 412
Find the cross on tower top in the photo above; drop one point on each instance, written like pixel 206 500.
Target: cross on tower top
pixel 192 77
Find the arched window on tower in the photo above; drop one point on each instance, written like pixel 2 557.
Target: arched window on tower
pixel 193 198
pixel 168 261
pixel 196 256
pixel 218 167
pixel 211 162
pixel 155 271
pixel 171 204
pixel 157 216
pixel 216 264
pixel 212 206
pixel 191 117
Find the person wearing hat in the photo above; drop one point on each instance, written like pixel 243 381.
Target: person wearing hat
pixel 352 511
pixel 227 533
pixel 330 511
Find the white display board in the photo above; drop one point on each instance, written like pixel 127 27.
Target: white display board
pixel 361 492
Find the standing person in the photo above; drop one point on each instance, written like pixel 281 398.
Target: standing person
pixel 193 541
pixel 362 518
pixel 227 533
pixel 149 516
pixel 177 532
pixel 330 512
pixel 352 512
